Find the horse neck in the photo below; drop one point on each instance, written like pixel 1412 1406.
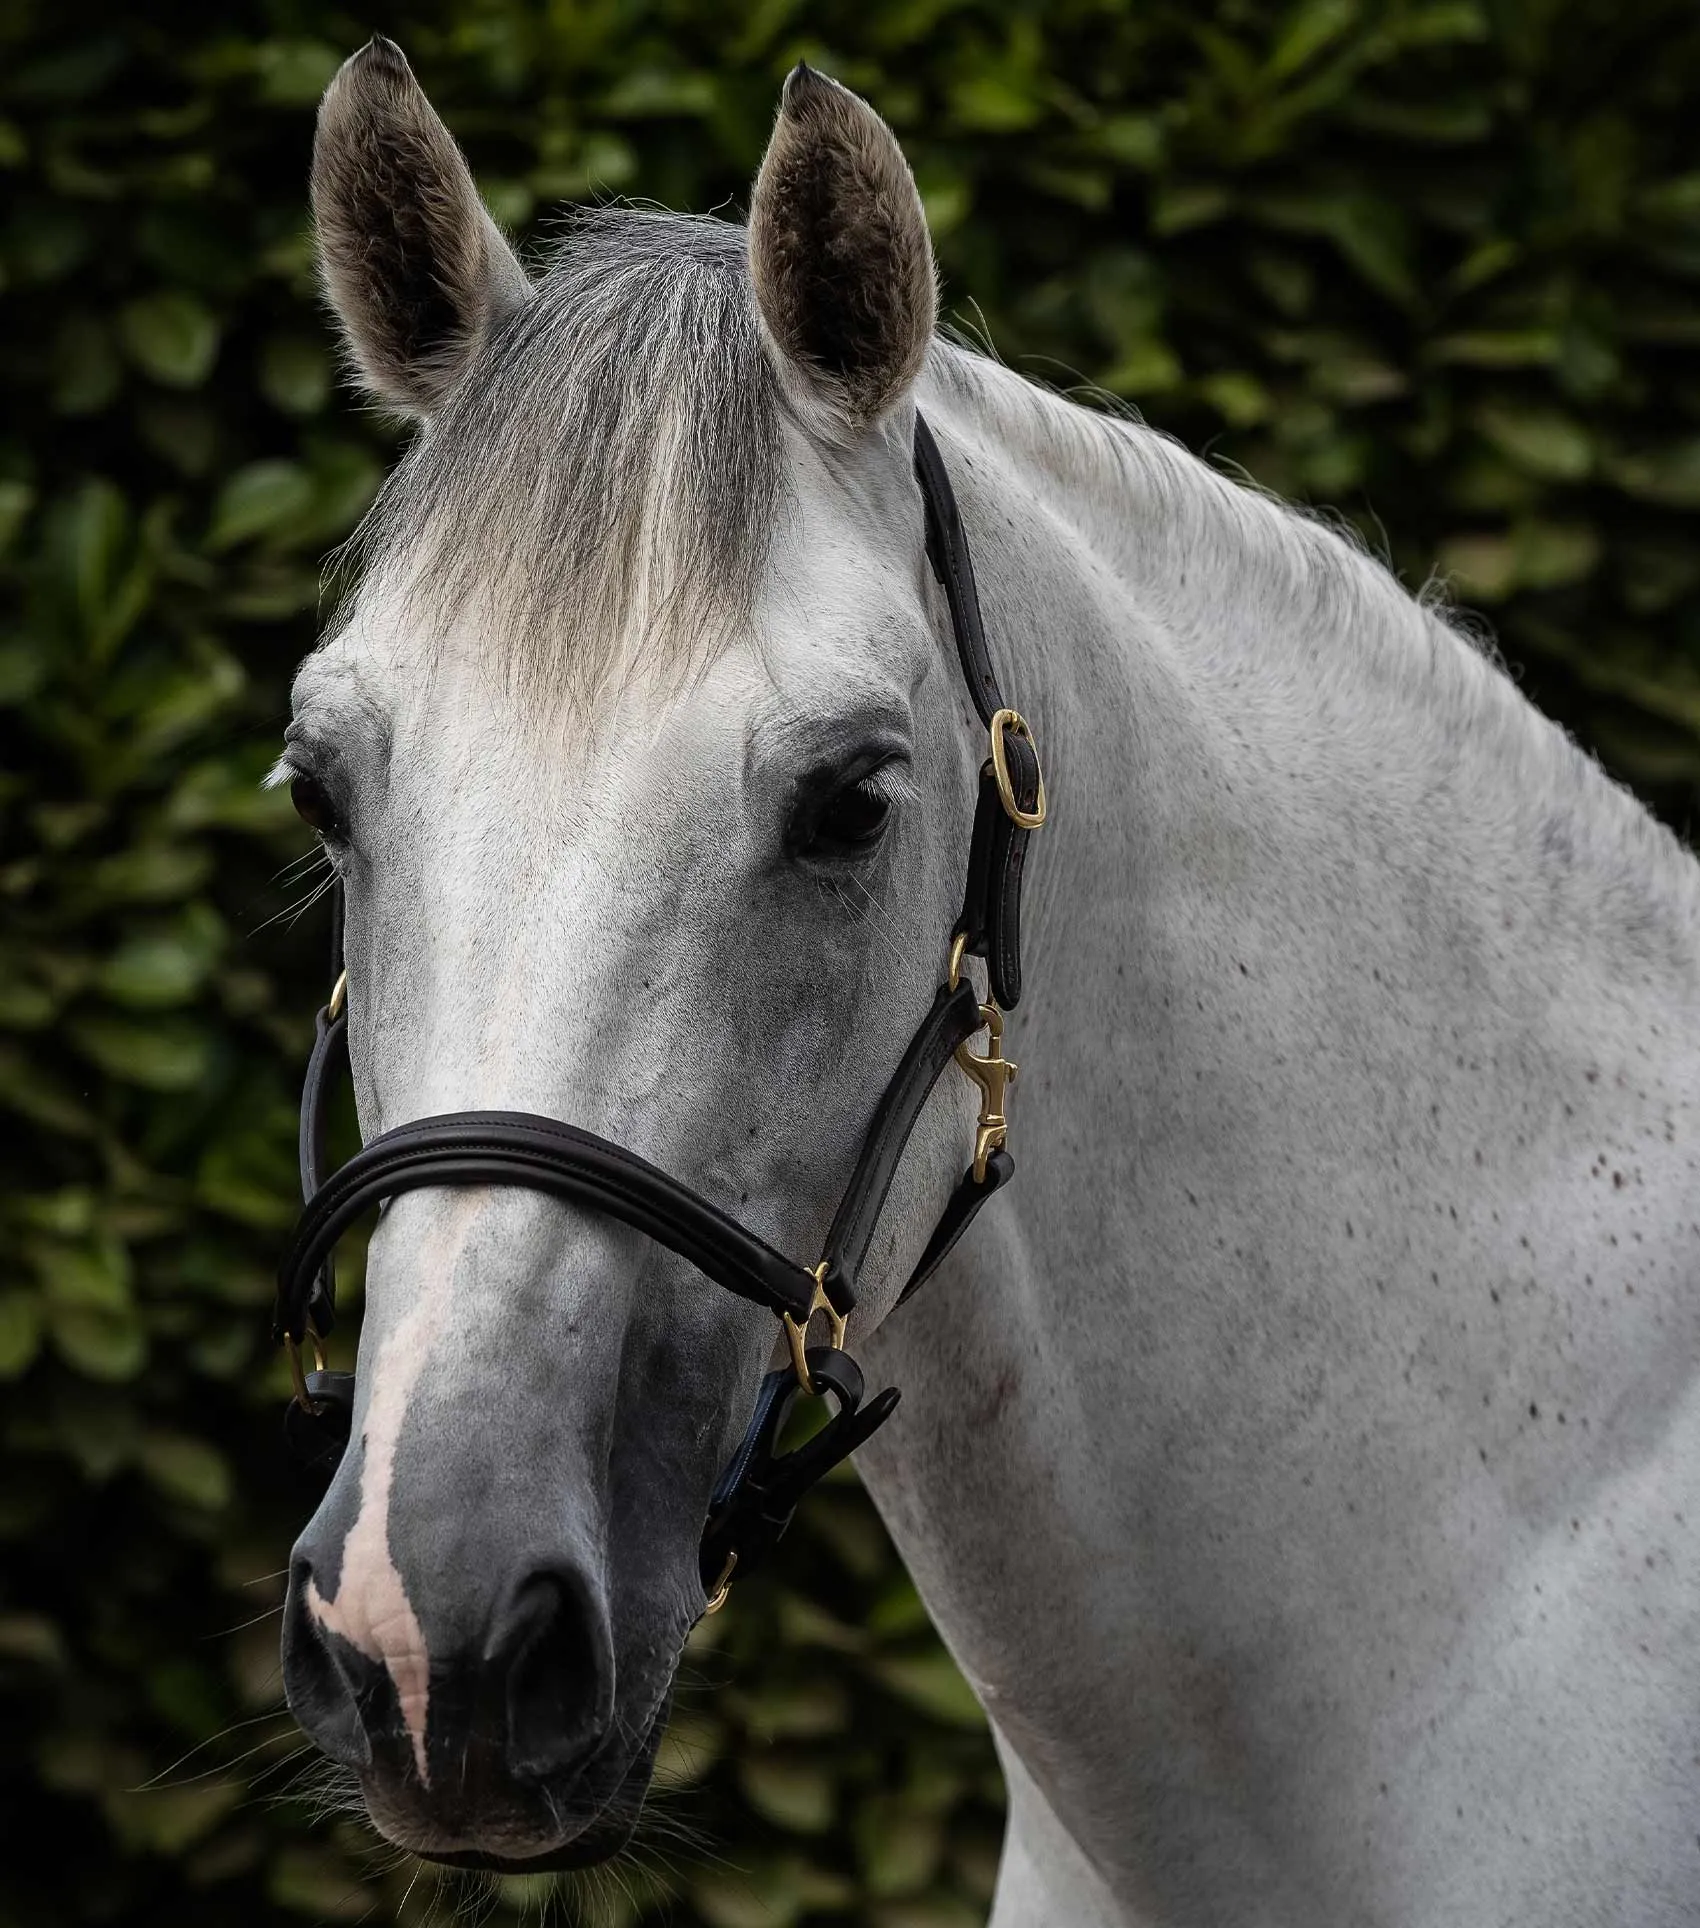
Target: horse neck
pixel 1357 1058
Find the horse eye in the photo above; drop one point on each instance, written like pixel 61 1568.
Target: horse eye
pixel 313 807
pixel 854 818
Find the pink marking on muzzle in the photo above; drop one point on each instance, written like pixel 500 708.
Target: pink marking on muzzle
pixel 371 1610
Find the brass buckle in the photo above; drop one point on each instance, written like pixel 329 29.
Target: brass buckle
pixel 1033 819
pixel 994 1074
pixel 797 1334
pixel 297 1371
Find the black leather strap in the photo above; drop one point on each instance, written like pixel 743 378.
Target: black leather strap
pixel 991 907
pixel 990 919
pixel 517 1148
pixel 959 1213
pixel 953 1019
pixel 947 551
pixel 328 1063
pixel 760 1490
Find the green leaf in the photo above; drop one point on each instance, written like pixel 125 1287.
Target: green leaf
pixel 689 1749
pixel 152 972
pixel 102 1345
pixel 994 101
pixel 766 1894
pixel 166 1820
pixel 1500 348
pixel 1552 555
pixel 790 1791
pixel 23 669
pixel 1669 476
pixel 92 1274
pixel 187 1469
pixel 295 374
pixel 646 91
pixel 20 1332
pixel 163 1054
pixel 1483 567
pixel 38 1093
pixel 1240 398
pixel 25 1005
pixel 17 499
pixel 31 1638
pixel 95 556
pixel 1177 206
pixel 931 1682
pixel 899 1849
pixel 262 497
pixel 1135 140
pixel 1543 441
pixel 1309 27
pixel 151 873
pixel 171 336
pixel 927 1911
pixel 294 73
pixel 1147 367
pixel 251 1175
pixel 87 371
pixel 316 1883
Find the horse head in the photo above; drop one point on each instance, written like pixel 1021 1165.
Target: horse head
pixel 642 761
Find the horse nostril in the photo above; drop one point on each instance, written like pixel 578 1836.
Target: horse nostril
pixel 317 1680
pixel 554 1644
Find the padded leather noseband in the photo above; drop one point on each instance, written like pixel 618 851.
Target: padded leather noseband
pixel 759 1490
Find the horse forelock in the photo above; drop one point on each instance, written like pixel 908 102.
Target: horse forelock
pixel 597 495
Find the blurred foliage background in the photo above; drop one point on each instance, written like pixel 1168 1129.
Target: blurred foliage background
pixel 1433 262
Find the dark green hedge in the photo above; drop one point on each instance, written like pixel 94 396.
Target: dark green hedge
pixel 1435 263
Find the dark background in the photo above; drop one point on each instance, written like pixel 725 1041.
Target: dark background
pixel 1435 265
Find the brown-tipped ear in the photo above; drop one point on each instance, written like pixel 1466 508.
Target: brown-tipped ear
pixel 412 263
pixel 840 255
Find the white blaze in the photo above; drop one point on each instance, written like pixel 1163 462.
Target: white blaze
pixel 371 1610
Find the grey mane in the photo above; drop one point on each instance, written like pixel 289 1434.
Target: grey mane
pixel 601 485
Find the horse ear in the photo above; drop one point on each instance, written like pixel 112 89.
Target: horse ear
pixel 840 255
pixel 413 265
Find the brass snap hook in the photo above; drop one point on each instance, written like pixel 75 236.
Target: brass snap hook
pixel 994 1073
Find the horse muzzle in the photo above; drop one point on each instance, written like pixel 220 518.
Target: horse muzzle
pixel 501 1749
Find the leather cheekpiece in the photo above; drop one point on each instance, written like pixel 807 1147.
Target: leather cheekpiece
pixel 328 1062
pixel 953 1019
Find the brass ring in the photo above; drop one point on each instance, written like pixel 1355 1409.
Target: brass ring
pixel 797 1335
pixel 339 996
pixel 303 1398
pixel 958 944
pixel 722 1587
pixel 1025 819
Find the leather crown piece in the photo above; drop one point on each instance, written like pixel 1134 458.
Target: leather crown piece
pixel 759 1489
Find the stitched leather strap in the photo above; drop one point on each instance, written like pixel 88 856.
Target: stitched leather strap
pixel 953 1019
pixel 991 906
pixel 959 1213
pixel 947 551
pixel 329 1061
pixel 990 918
pixel 517 1148
pixel 760 1489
